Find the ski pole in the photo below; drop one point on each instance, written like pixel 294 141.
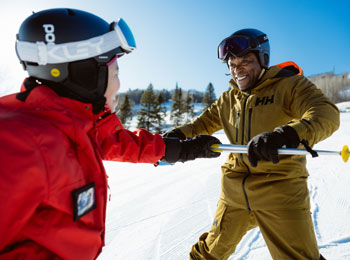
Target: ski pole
pixel 344 153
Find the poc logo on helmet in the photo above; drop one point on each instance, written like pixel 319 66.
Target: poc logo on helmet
pixel 49 33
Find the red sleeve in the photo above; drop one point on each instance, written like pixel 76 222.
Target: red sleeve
pixel 119 144
pixel 22 180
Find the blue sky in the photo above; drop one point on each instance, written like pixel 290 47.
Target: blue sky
pixel 177 40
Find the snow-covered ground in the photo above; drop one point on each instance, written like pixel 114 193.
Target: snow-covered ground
pixel 158 213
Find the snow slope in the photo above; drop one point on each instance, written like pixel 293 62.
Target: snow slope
pixel 158 213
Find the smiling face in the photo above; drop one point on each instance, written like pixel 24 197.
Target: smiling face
pixel 245 70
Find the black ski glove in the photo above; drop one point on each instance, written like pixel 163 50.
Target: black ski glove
pixel 175 133
pixel 185 150
pixel 264 146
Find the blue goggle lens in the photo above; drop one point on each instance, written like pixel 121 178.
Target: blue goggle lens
pixel 127 33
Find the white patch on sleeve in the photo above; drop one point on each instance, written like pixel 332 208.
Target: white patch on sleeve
pixel 84 200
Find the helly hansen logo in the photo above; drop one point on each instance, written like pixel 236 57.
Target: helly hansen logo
pixel 264 100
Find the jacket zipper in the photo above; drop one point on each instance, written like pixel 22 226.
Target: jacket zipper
pixel 237 126
pixel 250 123
pixel 242 142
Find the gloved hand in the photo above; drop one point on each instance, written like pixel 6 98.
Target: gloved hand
pixel 264 146
pixel 184 150
pixel 175 133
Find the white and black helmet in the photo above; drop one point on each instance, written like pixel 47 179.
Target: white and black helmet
pixel 71 48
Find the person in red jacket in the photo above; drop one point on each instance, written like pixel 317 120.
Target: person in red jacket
pixel 58 129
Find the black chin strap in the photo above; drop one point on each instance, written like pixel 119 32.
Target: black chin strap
pixel 74 91
pixel 102 81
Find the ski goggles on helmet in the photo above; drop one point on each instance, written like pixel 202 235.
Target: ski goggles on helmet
pixel 239 45
pixel 117 41
pixel 125 35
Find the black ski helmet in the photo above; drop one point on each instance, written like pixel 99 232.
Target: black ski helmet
pixel 244 41
pixel 71 48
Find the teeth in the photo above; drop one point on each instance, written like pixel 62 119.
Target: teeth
pixel 241 78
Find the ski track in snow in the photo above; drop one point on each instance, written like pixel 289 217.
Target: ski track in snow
pixel 247 244
pixel 157 254
pixel 158 213
pixel 314 209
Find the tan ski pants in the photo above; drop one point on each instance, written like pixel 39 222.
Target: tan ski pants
pixel 289 234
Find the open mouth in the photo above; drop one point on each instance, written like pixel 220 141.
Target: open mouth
pixel 241 78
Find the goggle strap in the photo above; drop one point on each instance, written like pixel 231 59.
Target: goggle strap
pixel 253 43
pixel 262 38
pixel 51 53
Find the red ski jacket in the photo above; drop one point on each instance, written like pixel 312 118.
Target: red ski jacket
pixel 53 186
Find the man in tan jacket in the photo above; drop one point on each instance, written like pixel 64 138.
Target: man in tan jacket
pixel 267 108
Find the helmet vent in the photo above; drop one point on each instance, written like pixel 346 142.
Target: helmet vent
pixel 70 12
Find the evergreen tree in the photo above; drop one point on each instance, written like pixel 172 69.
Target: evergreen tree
pixel 147 112
pixel 135 95
pixel 197 96
pixel 159 113
pixel 209 96
pixel 166 95
pixel 125 111
pixel 189 107
pixel 177 106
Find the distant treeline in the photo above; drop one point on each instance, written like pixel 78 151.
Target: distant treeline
pixel 136 94
pixel 152 110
